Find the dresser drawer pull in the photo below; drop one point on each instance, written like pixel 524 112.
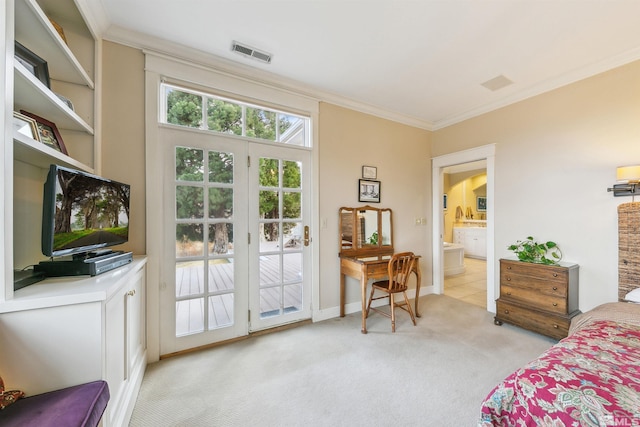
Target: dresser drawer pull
pixel 555 288
pixel 555 274
pixel 508 267
pixel 506 312
pixel 555 304
pixel 555 326
pixel 508 293
pixel 508 279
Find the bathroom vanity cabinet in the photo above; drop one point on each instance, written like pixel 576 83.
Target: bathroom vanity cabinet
pixel 474 240
pixel 537 297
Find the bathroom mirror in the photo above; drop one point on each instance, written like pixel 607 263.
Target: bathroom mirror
pixel 365 231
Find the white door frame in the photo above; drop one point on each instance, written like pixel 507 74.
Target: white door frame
pixel 485 152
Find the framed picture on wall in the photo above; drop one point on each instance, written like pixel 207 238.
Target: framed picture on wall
pixel 481 204
pixel 368 191
pixel 444 201
pixel 369 172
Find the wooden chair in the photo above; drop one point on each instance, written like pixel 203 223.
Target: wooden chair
pixel 400 266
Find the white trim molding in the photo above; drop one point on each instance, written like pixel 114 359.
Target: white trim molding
pixel 485 152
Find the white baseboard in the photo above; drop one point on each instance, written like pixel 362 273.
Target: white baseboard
pixel 133 388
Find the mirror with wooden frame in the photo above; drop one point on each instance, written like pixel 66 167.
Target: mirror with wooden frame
pixel 365 231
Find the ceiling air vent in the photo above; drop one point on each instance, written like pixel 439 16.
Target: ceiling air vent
pixel 497 83
pixel 245 50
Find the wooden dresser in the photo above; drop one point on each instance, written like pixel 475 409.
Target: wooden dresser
pixel 537 297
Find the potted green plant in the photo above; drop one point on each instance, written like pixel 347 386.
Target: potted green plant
pixel 529 250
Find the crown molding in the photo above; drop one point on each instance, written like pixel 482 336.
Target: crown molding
pixel 546 86
pixel 95 15
pixel 146 42
pixel 185 53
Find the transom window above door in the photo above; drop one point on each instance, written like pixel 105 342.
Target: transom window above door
pixel 205 111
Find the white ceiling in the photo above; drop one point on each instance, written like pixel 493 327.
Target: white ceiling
pixel 422 62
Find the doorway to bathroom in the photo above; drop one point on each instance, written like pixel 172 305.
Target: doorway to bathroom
pixel 464 232
pixel 469 286
pixel 463 243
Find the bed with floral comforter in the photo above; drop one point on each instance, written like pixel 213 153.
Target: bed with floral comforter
pixel 590 378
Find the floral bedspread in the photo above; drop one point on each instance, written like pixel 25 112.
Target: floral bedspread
pixel 591 378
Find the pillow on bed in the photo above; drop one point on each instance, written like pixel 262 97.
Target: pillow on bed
pixel 8 397
pixel 633 296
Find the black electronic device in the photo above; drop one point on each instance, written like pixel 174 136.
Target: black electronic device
pixel 82 212
pixel 81 215
pixel 79 266
pixel 22 278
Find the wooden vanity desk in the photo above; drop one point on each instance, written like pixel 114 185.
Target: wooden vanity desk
pixel 366 245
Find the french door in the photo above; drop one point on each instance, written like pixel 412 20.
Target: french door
pixel 234 258
pixel 279 218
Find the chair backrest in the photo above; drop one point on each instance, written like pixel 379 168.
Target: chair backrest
pixel 400 266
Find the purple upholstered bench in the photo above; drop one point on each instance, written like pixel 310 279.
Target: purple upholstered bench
pixel 81 405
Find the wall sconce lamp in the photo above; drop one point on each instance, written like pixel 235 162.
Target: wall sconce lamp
pixel 629 181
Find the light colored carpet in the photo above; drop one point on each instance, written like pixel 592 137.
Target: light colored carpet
pixel 329 374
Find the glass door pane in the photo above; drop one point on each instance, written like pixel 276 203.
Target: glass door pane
pixel 280 286
pixel 204 183
pixel 208 298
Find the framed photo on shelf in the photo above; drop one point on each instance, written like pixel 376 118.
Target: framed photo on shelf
pixel 369 191
pixel 481 204
pixel 25 125
pixel 59 30
pixel 65 100
pixel 48 133
pixel 33 63
pixel 369 172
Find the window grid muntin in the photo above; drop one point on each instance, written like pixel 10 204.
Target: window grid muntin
pixel 167 88
pixel 202 299
pixel 283 282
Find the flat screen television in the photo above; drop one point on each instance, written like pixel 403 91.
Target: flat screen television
pixel 82 213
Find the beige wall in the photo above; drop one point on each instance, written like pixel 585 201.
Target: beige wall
pixel 123 131
pixel 556 155
pixel 349 140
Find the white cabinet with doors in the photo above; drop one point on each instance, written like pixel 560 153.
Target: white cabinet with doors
pixel 66 331
pixel 458 236
pixel 474 240
pixel 125 358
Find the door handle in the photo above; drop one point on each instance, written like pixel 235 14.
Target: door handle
pixel 306 235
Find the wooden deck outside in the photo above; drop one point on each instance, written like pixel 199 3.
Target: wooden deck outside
pixel 190 282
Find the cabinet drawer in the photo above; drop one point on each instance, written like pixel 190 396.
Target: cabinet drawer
pixel 536 297
pixel 378 271
pixel 522 274
pixel 542 272
pixel 547 287
pixel 547 324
